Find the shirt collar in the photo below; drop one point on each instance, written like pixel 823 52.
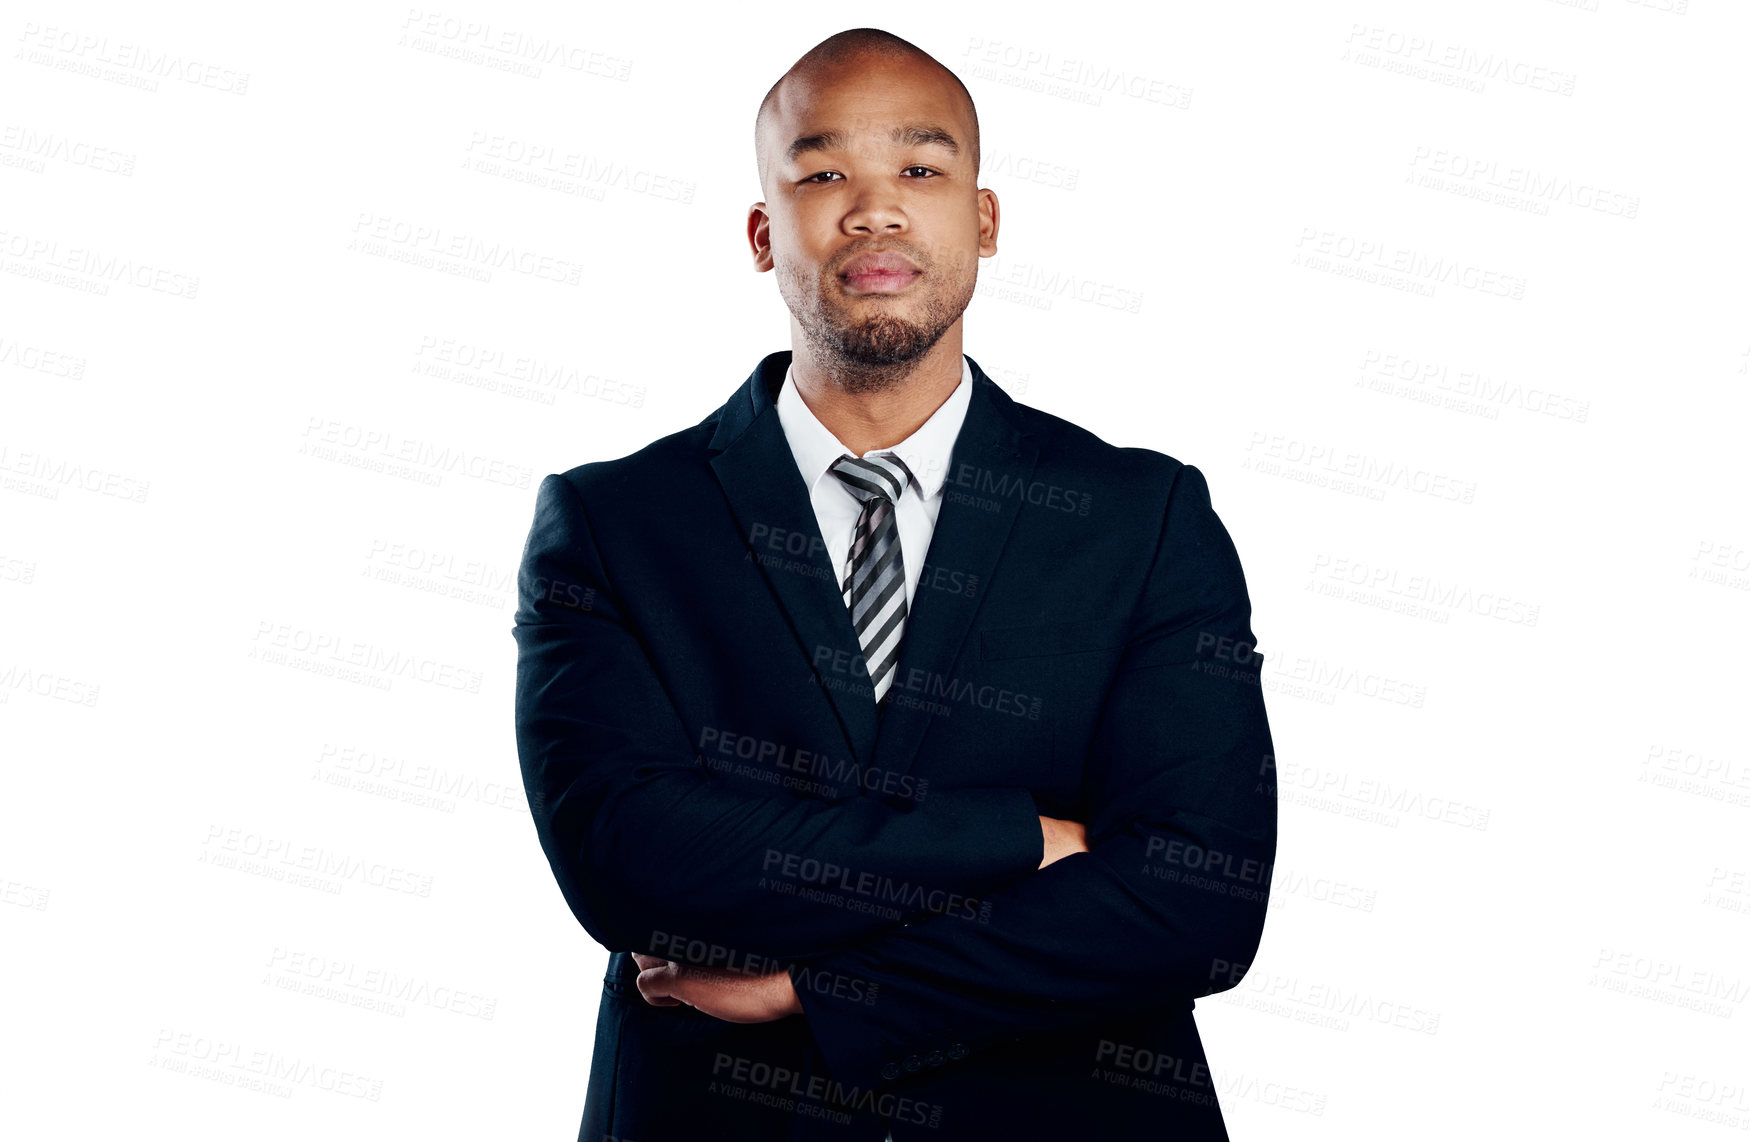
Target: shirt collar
pixel 925 452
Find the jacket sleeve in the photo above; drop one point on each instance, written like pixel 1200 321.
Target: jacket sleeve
pixel 1169 902
pixel 648 845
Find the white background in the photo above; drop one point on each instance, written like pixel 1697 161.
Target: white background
pixel 1493 523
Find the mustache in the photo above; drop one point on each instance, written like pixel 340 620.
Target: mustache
pixel 837 261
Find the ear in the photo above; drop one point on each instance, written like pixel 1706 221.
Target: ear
pixel 759 236
pixel 989 219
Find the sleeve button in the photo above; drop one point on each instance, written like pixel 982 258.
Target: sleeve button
pixel 889 1070
pixel 913 1062
pixel 957 1051
pixel 935 1058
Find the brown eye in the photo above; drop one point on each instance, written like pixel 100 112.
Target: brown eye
pixel 926 170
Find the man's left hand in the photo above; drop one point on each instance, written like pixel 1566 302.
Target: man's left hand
pixel 733 997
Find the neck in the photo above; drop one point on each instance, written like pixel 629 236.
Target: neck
pixel 874 407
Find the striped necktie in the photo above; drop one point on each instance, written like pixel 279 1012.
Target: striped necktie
pixel 874 585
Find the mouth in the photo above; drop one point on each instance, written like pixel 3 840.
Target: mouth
pixel 880 281
pixel 879 273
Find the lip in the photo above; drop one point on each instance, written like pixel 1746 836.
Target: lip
pixel 879 273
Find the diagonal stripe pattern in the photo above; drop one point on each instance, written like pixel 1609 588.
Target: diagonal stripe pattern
pixel 874 583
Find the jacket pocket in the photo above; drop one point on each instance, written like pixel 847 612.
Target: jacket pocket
pixel 1053 638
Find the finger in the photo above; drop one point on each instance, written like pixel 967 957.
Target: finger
pixel 644 961
pixel 658 985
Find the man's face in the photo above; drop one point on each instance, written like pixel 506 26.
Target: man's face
pixel 873 221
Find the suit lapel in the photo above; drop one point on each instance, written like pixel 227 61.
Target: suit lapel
pixel 766 494
pixel 991 460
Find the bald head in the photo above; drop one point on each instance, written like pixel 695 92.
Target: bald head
pixel 843 54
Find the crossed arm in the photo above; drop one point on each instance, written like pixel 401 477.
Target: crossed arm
pixel 741 997
pixel 1179 782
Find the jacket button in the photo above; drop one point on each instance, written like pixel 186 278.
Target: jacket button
pixel 889 1070
pixel 913 1062
pixel 935 1058
pixel 957 1050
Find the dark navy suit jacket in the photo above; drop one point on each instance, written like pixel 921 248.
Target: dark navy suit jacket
pixel 711 783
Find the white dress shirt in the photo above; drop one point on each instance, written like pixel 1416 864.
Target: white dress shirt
pixel 925 453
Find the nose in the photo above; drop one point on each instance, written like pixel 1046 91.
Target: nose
pixel 876 211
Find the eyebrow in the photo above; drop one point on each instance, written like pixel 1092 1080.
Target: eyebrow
pixel 908 135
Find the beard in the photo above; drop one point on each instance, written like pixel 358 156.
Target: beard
pixel 880 349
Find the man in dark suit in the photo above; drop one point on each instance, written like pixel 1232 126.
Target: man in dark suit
pixel 903 743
